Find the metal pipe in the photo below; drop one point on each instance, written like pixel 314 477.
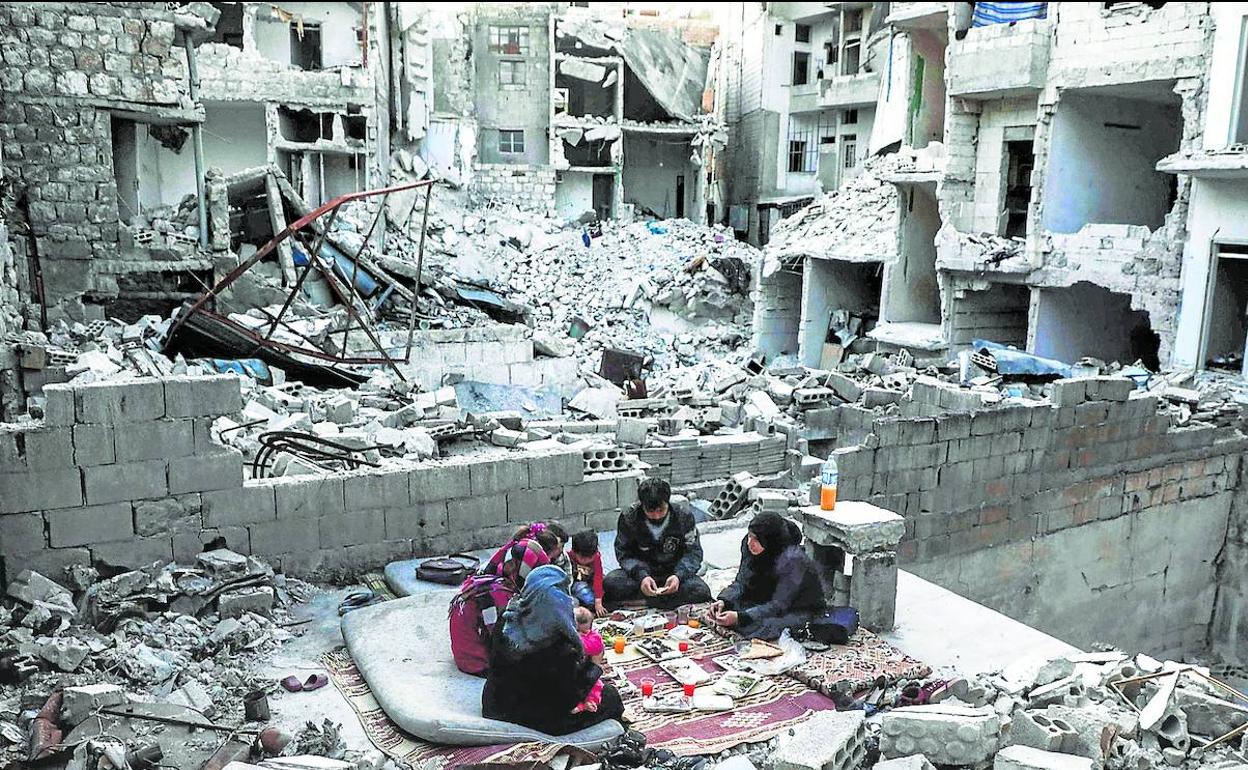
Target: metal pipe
pixel 197 139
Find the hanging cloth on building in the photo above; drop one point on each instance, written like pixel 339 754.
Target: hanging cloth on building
pixel 1007 13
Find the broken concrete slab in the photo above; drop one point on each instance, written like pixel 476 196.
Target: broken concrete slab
pixel 912 762
pixel 829 740
pixel 1028 758
pixel 856 526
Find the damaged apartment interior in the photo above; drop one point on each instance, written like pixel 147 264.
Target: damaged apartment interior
pixel 680 386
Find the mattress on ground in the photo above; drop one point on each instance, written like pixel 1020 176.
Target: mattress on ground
pixel 402 649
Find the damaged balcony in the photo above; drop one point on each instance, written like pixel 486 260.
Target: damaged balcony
pixel 1000 60
pixel 1231 163
pixel 857 90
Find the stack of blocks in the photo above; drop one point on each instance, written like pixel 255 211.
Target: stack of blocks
pixel 869 535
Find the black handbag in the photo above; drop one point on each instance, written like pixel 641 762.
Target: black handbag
pixel 835 626
pixel 448 570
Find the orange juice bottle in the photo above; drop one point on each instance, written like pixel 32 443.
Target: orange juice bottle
pixel 827 480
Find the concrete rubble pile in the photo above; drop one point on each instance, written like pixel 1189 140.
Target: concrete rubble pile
pixel 1102 710
pixel 162 656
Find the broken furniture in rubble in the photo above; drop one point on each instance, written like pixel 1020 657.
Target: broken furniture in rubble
pixel 362 289
pixel 854 546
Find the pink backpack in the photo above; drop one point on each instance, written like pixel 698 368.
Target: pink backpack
pixel 474 611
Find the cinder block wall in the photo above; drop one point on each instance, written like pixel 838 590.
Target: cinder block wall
pixel 531 188
pixel 497 353
pixel 126 474
pixel 1094 522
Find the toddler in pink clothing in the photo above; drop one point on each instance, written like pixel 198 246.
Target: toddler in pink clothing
pixel 590 639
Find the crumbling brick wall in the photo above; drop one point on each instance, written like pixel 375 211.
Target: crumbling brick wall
pixel 1228 637
pixel 531 188
pixel 127 473
pixel 66 65
pixel 1091 521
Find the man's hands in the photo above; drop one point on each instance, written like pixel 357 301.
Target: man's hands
pixel 649 587
pixel 716 614
pixel 599 610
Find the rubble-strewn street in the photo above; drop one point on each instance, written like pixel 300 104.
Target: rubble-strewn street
pixel 781 386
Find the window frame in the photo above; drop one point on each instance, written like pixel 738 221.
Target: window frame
pixel 498 39
pixel 805 69
pixel 508 136
pixel 849 151
pixel 798 30
pixel 514 67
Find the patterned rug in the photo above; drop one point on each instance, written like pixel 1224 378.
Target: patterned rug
pixel 856 665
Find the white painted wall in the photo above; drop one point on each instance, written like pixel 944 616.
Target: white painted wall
pixel 1106 175
pixel 338 21
pixel 651 165
pixel 911 291
pixel 574 194
pixel 828 285
pixel 1223 72
pixel 1084 320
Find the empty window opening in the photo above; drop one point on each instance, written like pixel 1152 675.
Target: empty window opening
pixel 779 30
pixel 355 126
pixel 1089 320
pixel 1020 159
pixel 305 46
pixel 511 74
pixel 851 58
pixel 1226 311
pixel 801 68
pixel 304 125
pixel 852 21
pixel 997 313
pixel 1103 154
pixel 849 117
pixel 801 33
pixel 913 294
pixel 1239 121
pixel 849 151
pixel 229 29
pixel 803 152
pixel 831 285
pixel 510 142
pixel 584 98
pixel 125 169
pixel 509 41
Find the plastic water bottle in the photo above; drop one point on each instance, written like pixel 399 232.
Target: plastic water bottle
pixel 827 479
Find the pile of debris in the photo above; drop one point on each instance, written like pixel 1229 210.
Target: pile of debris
pixel 136 655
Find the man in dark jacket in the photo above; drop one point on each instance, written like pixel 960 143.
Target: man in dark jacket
pixel 657 546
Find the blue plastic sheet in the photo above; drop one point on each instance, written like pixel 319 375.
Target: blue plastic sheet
pixel 245 367
pixel 1020 362
pixel 1007 13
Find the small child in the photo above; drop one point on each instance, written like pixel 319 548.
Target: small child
pixel 587 571
pixel 590 639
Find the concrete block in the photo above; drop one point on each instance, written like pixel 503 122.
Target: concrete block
pixel 93 445
pixel 90 524
pixel 47 561
pixel 946 734
pixel 134 553
pixel 912 762
pixel 626 491
pixel 40 490
pixel 202 396
pixel 309 498
pixel 526 505
pixel 417 521
pixel 556 469
pixel 125 481
pixel 179 513
pixel 21 533
pixel 58 408
pixel 112 403
pixel 1028 758
pixel 204 473
pixel 49 448
pixel 632 432
pixel 189 544
pixel 1035 729
pixel 1069 393
pixel 77 703
pixel 855 526
pixel 1110 388
pixel 257 599
pixel 155 440
pixel 873 589
pixel 373 489
pixel 829 740
pixel 352 528
pixel 602 521
pixel 439 482
pixel 251 503
pixel 476 512
pixel 272 538
pixel 843 386
pixel 495 475
pixel 597 495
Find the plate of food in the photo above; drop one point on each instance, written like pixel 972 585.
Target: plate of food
pixel 737 684
pixel 685 671
pixel 657 650
pixel 614 628
pixel 668 703
pixel 730 662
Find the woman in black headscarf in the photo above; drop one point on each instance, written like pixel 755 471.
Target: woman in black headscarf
pixel 540 676
pixel 777 586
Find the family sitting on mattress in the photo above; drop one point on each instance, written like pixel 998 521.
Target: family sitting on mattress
pixel 515 621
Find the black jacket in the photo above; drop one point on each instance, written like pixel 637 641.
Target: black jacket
pixel 677 552
pixel 775 588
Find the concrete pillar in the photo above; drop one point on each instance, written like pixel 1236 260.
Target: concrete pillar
pixel 218 210
pixel 869 534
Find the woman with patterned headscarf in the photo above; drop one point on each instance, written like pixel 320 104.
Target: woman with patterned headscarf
pixel 481 600
pixel 777 586
pixel 539 675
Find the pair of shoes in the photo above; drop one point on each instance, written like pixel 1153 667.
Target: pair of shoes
pixel 663 759
pixel 624 751
pixel 292 683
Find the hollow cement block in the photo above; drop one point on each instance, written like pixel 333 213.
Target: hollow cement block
pixel 946 734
